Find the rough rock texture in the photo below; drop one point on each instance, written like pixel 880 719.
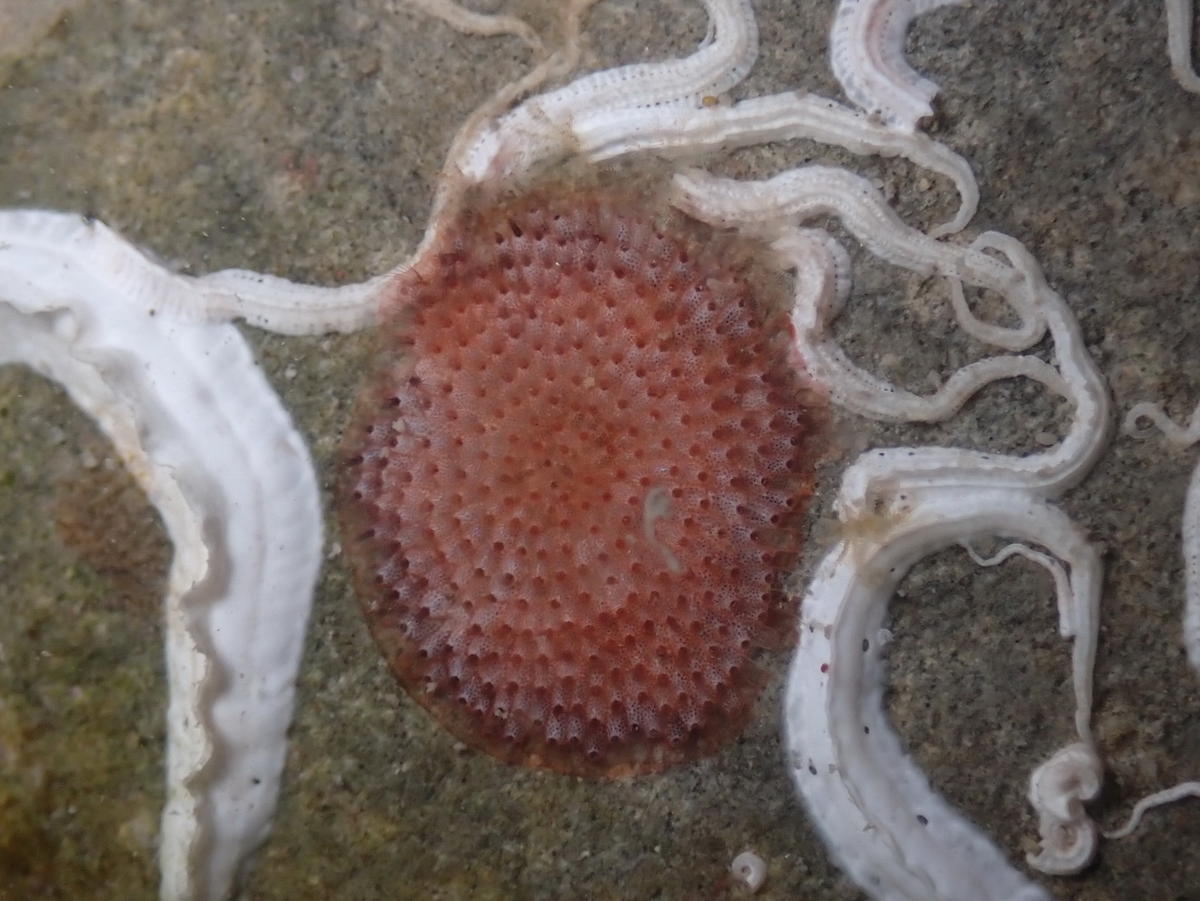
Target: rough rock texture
pixel 23 24
pixel 302 138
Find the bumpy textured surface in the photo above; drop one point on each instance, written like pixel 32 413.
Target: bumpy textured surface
pixel 572 489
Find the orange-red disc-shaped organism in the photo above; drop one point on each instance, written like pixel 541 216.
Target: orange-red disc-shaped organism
pixel 573 485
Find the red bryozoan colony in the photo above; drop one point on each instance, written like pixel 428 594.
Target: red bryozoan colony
pixel 573 485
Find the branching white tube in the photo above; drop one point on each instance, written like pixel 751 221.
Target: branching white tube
pixel 866 50
pixel 879 818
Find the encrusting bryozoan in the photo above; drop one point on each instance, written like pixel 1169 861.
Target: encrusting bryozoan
pixel 189 411
pixel 875 809
pixel 866 51
pixel 847 762
pixel 574 487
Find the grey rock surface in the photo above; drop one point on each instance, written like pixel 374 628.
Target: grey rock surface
pixel 303 139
